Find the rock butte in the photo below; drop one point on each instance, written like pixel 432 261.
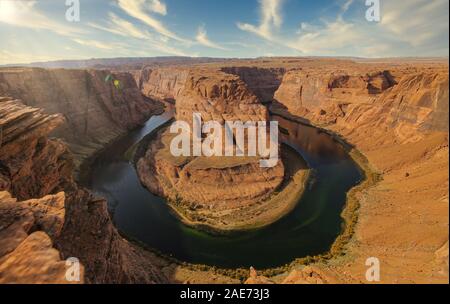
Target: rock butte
pixel 219 193
pixel 394 111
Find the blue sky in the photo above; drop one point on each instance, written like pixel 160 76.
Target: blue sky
pixel 38 30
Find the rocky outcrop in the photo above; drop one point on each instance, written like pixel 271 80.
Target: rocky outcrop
pixel 220 97
pixel 305 275
pixel 195 179
pixel 248 193
pixel 98 106
pixel 263 82
pixel 40 231
pixel 31 165
pixel 409 102
pixel 38 235
pixel 163 84
pixel 90 236
pixel 26 232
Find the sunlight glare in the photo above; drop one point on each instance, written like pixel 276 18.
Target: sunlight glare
pixel 7 10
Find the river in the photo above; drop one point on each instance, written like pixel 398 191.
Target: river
pixel 309 229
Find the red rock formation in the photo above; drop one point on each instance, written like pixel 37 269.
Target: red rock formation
pixel 191 183
pixel 263 82
pixel 396 114
pixel 35 234
pixel 27 256
pixel 31 164
pixel 164 83
pixel 218 96
pixel 399 99
pixel 96 110
pixel 195 180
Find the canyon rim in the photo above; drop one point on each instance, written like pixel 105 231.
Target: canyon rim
pixel 325 162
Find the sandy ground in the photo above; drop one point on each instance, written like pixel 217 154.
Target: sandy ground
pixel 403 220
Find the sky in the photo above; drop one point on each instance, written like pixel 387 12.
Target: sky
pixel 39 30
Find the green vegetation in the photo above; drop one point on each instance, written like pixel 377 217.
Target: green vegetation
pixel 349 215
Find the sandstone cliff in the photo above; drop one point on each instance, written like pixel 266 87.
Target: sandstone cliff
pixel 31 164
pixel 402 100
pixel 40 231
pixel 225 193
pixel 218 96
pixel 163 84
pixel 98 106
pixel 263 82
pixel 397 116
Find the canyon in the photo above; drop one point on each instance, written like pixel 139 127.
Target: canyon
pixel 95 111
pixel 246 196
pixel 394 115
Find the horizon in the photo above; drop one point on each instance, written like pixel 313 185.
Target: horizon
pixel 48 31
pixel 413 58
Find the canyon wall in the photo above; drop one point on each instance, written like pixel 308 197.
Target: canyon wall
pixel 98 106
pixel 31 165
pixel 220 97
pixel 168 83
pixel 263 82
pixel 397 116
pixel 191 183
pixel 53 219
pixel 163 84
pixel 402 100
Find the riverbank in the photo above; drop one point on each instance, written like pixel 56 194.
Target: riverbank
pixel 261 214
pixel 350 216
pixel 123 188
pixel 240 218
pixel 82 173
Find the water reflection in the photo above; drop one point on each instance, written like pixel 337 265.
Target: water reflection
pixel 309 229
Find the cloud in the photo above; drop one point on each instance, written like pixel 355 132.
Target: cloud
pixel 158 7
pixel 407 28
pixel 8 57
pixel 124 28
pixel 140 9
pixel 121 27
pixel 345 6
pixel 416 22
pixel 270 11
pixel 326 39
pixel 97 44
pixel 25 14
pixel 203 39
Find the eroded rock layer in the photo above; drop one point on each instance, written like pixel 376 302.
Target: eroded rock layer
pixel 27 228
pixel 225 193
pixel 165 84
pixel 398 117
pixel 405 100
pixel 31 165
pixel 98 106
pixel 39 231
pixel 263 82
pixel 395 112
